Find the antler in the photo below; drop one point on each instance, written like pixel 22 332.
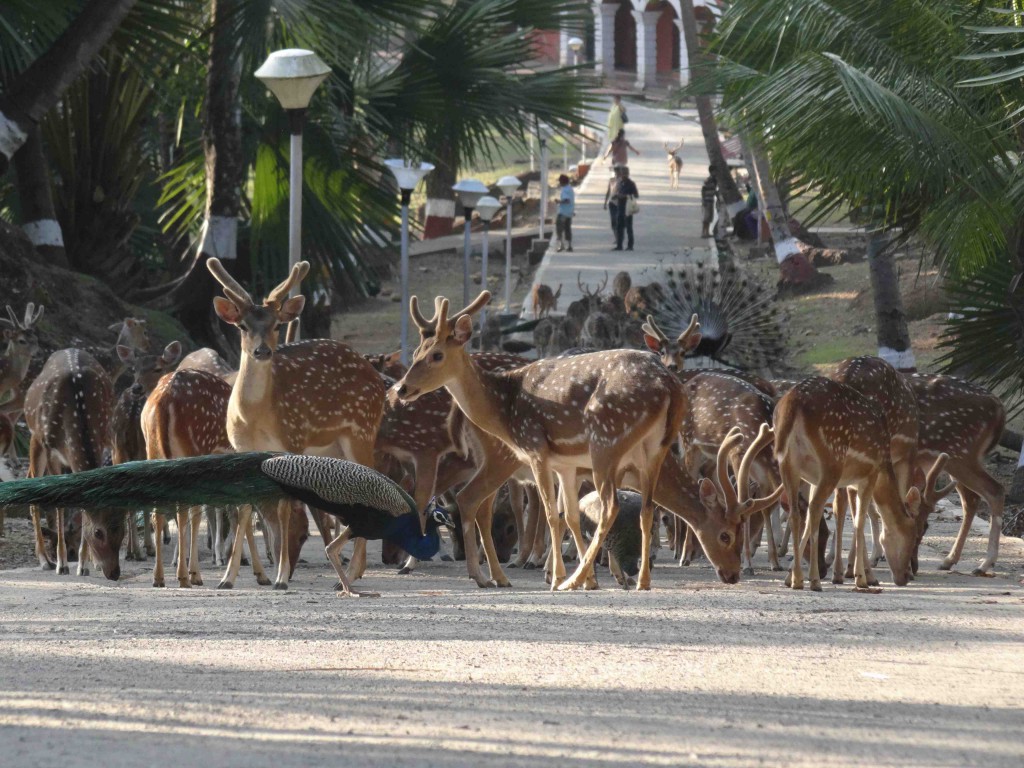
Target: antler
pixel 604 285
pixel 765 436
pixel 722 469
pixel 931 494
pixel 29 310
pixel 651 329
pixel 475 306
pixel 238 295
pixel 691 329
pixel 14 318
pixel 280 293
pixel 417 317
pixel 580 285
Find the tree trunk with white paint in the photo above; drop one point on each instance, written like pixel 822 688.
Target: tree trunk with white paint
pixel 890 320
pixel 441 207
pixel 37 90
pixel 35 198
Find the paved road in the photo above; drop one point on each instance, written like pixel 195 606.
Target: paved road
pixel 439 673
pixel 668 226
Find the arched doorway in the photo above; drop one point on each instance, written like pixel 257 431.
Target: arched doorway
pixel 625 37
pixel 667 39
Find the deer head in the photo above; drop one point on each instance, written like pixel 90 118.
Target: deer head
pixel 441 355
pixel 258 324
pixel 20 335
pixel 931 495
pixel 132 332
pixel 147 369
pixel 672 355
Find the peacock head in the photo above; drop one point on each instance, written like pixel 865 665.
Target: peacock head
pixel 438 517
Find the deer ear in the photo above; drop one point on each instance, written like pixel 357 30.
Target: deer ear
pixel 226 310
pixel 172 352
pixel 918 477
pixel 653 342
pixel 708 492
pixel 463 331
pixel 292 308
pixel 126 354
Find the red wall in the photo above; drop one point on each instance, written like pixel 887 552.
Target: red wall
pixel 545 45
pixel 668 40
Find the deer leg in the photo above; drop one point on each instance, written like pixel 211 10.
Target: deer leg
pixel 978 483
pixel 773 551
pixel 815 509
pixel 147 535
pixel 791 482
pixel 211 530
pixel 37 529
pixel 515 500
pixel 243 530
pixel 481 490
pixel 571 508
pixel 83 555
pixel 532 511
pixel 195 520
pixel 689 546
pixel 546 487
pixel 183 545
pixel 284 518
pixel 876 540
pixel 62 550
pixel 862 501
pixel 969 500
pixel 158 566
pixel 604 478
pixel 839 514
pixel 484 521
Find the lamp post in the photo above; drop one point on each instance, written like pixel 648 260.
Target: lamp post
pixel 486 206
pixel 543 134
pixel 469 191
pixel 508 186
pixel 407 176
pixel 575 44
pixel 293 75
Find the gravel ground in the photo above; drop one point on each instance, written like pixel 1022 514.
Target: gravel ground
pixel 438 672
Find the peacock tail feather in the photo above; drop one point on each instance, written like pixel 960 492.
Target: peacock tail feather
pixel 219 480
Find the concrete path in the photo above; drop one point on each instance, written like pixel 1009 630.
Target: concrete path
pixel 668 225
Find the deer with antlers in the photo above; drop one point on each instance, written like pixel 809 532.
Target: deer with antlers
pixel 831 436
pixel 317 396
pixel 22 344
pixel 614 413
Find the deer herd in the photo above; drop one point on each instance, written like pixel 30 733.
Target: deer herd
pixel 719 459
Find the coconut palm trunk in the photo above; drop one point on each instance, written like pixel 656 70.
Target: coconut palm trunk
pixel 36 90
pixel 890 320
pixel 38 217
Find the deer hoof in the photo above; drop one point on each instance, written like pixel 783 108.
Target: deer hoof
pixel 405 570
pixel 183 584
pixel 485 583
pixel 776 568
pixel 82 571
pixel 946 565
pixel 979 571
pixel 643 587
pixel 244 561
pixel 63 571
pixel 158 584
pixel 197 580
pixel 837 579
pixel 512 565
pixel 447 559
pixel 263 580
pixel 815 586
pixel 527 566
pixel 280 585
pixel 226 585
pixel 748 571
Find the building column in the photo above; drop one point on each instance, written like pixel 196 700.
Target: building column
pixel 646 47
pixel 604 37
pixel 684 57
pixel 564 54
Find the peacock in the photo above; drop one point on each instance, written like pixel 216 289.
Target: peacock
pixel 372 505
pixel 740 321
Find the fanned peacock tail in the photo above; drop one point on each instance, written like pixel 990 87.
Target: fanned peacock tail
pixel 740 321
pixel 234 478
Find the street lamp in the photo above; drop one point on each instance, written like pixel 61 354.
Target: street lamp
pixel 508 186
pixel 407 176
pixel 575 44
pixel 469 191
pixel 544 132
pixel 293 75
pixel 486 206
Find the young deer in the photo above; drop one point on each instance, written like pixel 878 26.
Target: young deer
pixel 318 396
pixel 965 422
pixel 206 359
pixel 545 301
pixel 22 343
pixel 127 441
pixel 614 413
pixel 133 333
pixel 831 436
pixel 67 409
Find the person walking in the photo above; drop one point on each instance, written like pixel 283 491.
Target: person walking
pixel 617 118
pixel 619 149
pixel 708 196
pixel 566 210
pixel 626 197
pixel 610 204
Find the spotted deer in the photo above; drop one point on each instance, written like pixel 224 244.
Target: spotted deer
pixel 965 422
pixel 545 301
pixel 127 441
pixel 68 409
pixel 132 332
pixel 22 343
pixel 830 436
pixel 206 359
pixel 186 415
pixel 317 396
pixel 614 413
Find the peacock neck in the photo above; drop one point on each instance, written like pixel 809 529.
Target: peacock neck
pixel 405 532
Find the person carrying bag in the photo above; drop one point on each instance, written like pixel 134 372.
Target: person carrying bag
pixel 627 197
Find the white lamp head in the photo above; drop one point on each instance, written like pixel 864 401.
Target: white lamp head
pixel 470 191
pixel 487 206
pixel 408 176
pixel 575 44
pixel 292 75
pixel 508 185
